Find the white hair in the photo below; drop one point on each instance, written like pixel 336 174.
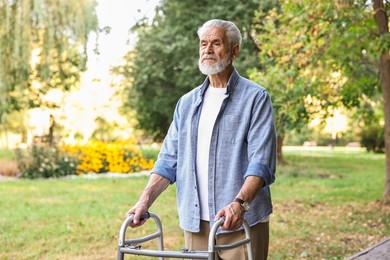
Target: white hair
pixel 232 32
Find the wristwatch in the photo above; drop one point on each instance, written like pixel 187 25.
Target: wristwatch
pixel 243 203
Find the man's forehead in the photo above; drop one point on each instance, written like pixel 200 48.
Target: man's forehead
pixel 213 33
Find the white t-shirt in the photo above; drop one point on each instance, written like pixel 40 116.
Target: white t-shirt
pixel 212 102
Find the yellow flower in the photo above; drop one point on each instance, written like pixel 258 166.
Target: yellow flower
pixel 99 157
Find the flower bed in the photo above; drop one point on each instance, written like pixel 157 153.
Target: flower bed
pixel 93 157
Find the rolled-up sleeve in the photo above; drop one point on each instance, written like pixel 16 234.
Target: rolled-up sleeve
pixel 262 141
pixel 166 164
pixel 262 171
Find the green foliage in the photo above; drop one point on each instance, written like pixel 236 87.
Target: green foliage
pixel 373 138
pixel 44 162
pixel 163 65
pixel 105 130
pixel 42 46
pixel 316 57
pixel 354 30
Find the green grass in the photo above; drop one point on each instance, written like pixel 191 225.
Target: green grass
pixel 71 218
pixel 335 177
pixel 326 206
pixel 6 154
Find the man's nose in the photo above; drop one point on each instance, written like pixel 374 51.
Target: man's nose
pixel 209 48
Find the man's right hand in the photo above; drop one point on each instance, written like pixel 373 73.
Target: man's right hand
pixel 137 210
pixel 153 189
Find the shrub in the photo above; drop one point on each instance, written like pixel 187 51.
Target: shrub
pixel 373 138
pixel 44 162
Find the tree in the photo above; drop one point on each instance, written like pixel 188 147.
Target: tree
pixel 291 71
pixel 309 73
pixel 42 46
pixel 381 16
pixel 163 65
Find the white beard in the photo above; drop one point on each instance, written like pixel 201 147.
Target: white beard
pixel 215 68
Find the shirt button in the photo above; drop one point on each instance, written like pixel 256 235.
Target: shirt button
pixel 196 205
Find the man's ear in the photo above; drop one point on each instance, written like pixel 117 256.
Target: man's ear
pixel 235 51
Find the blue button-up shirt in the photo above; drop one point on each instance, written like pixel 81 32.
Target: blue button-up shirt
pixel 243 144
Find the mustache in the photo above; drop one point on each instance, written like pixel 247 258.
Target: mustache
pixel 209 56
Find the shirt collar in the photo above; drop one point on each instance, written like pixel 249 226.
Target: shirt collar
pixel 230 85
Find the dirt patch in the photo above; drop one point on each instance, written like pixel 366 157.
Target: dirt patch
pixel 323 230
pixel 8 167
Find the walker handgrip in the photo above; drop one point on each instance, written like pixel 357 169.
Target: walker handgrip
pixel 146 215
pixel 222 219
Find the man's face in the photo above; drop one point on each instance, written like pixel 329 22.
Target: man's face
pixel 214 51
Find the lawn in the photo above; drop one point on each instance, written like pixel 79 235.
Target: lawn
pixel 6 154
pixel 326 206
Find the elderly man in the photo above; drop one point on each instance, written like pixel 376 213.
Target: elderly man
pixel 220 150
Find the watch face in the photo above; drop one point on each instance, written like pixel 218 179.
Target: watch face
pixel 245 205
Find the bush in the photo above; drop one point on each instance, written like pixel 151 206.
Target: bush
pixel 373 138
pixel 44 162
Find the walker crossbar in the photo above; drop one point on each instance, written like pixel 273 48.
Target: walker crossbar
pixel 127 246
pixel 168 254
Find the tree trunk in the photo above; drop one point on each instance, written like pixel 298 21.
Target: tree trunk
pixel 381 20
pixel 385 69
pixel 279 154
pixel 51 130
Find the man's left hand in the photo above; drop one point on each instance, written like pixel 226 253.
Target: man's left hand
pixel 234 214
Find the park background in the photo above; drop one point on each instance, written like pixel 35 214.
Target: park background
pixel 87 93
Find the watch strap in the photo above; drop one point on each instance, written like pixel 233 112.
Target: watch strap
pixel 239 200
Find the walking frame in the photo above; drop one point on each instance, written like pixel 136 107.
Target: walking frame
pixel 132 246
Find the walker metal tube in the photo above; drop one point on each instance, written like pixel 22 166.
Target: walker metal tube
pixel 215 248
pixel 122 242
pixel 167 254
pixel 213 231
pixel 248 237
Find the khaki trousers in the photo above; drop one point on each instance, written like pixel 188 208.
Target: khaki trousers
pixel 259 238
